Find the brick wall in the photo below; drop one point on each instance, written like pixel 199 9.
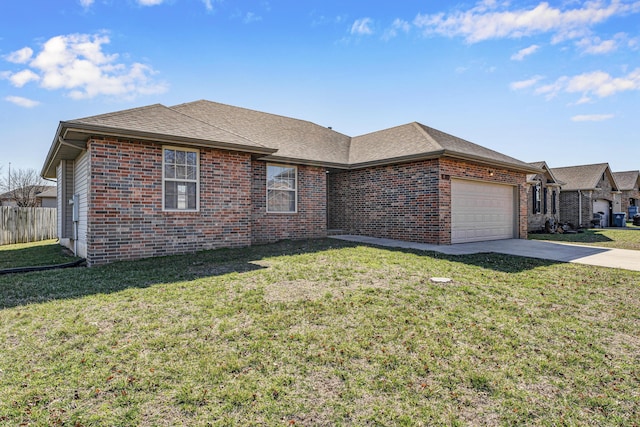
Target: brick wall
pixel 410 201
pixel 126 220
pixel 310 221
pixel 387 201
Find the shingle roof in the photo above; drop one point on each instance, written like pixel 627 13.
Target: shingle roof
pixel 415 139
pixel 629 180
pixel 293 138
pixel 274 137
pixel 583 177
pixel 50 191
pixel 40 190
pixel 160 120
pixel 547 170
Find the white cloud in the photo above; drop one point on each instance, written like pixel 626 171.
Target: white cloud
pixel 592 117
pixel 597 46
pixel 76 63
pixel 484 22
pixel 598 84
pixel 23 77
pixel 362 27
pixel 149 2
pixel 208 4
pixel 584 100
pixel 519 56
pixel 397 25
pixel 251 17
pixel 603 84
pixel 86 3
pixel 22 102
pixel 523 84
pixel 20 56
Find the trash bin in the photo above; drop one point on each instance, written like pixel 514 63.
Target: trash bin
pixel 633 211
pixel 619 219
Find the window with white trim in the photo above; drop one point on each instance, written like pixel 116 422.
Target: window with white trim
pixel 180 179
pixel 282 188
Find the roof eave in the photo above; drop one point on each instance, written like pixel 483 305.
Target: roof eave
pixel 491 162
pixel 158 137
pixel 53 150
pixel 395 160
pixel 306 162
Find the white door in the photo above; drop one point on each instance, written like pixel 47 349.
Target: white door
pixel 481 211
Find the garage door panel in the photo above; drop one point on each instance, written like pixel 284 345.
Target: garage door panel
pixel 481 211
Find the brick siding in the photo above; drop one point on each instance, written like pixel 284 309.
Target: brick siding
pixel 410 201
pixel 310 221
pixel 126 220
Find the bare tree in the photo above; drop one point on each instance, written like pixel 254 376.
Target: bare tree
pixel 22 185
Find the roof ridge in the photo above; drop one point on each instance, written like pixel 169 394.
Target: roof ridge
pixel 581 166
pixel 119 112
pixel 260 112
pixel 217 127
pixel 422 130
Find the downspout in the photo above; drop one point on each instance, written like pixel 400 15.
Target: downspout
pixel 579 208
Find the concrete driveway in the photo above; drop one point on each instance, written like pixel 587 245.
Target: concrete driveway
pixel 563 252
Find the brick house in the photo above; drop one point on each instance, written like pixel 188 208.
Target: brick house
pixel 587 189
pixel 544 197
pixel 629 183
pixel 163 180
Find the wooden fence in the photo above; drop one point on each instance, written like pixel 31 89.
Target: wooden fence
pixel 23 225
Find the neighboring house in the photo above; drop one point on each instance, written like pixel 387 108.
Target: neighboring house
pixel 32 195
pixel 629 183
pixel 48 197
pixel 544 197
pixel 587 189
pixel 157 180
pixel 7 199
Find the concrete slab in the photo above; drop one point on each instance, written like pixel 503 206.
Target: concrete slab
pixel 555 251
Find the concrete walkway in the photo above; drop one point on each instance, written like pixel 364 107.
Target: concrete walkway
pixel 555 251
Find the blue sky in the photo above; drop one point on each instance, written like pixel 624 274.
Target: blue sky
pixel 557 81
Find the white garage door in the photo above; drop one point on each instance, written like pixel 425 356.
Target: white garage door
pixel 481 211
pixel 601 205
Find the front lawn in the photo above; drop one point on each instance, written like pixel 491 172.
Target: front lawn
pixel 620 238
pixel 324 333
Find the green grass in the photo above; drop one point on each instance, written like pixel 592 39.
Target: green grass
pixel 321 333
pixel 47 252
pixel 619 238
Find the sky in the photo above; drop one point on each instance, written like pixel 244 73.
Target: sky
pixel 557 81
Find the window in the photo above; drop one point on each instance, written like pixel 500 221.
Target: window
pixel 282 188
pixel 536 198
pixel 544 200
pixel 554 207
pixel 180 179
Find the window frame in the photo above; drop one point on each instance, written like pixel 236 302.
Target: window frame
pixel 165 179
pixel 536 197
pixel 295 189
